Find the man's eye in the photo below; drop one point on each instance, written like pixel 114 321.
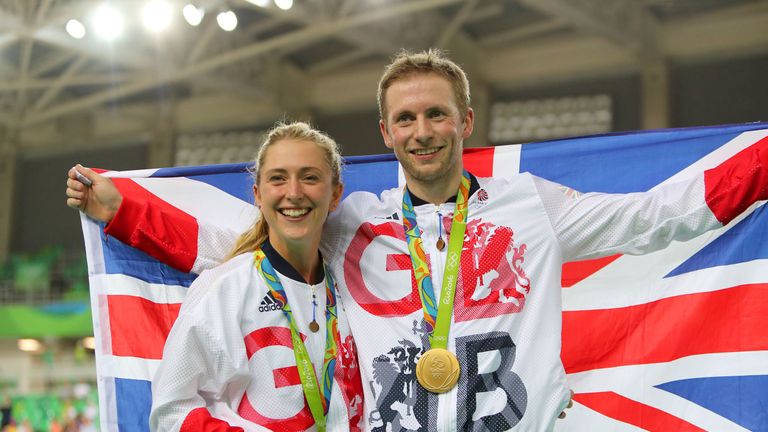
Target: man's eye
pixel 404 118
pixel 436 114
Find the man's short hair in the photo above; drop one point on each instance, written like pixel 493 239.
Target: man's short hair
pixel 433 60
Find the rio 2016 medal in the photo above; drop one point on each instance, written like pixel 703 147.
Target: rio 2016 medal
pixel 438 370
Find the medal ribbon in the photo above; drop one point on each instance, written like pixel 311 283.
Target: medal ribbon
pixel 437 316
pixel 318 404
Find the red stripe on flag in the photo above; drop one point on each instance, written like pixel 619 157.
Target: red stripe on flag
pixel 138 326
pixel 162 231
pixel 632 412
pixel 728 320
pixel 576 271
pixel 735 184
pixel 479 161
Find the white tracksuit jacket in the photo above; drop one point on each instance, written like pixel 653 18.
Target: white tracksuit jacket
pixel 228 357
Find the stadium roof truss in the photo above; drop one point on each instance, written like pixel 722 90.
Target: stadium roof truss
pixel 324 56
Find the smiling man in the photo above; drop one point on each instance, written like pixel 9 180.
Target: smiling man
pixel 425 126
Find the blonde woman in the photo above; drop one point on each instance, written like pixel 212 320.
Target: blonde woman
pixel 259 339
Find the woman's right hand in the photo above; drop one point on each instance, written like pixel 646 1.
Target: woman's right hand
pixel 99 201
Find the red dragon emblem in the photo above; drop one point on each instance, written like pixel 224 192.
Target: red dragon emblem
pixel 493 280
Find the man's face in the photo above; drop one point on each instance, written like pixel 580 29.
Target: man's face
pixel 424 127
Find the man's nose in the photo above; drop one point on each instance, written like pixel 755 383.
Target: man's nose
pixel 424 130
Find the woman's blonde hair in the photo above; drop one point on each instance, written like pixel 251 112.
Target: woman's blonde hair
pixel 259 231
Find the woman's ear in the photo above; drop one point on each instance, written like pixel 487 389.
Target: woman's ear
pixel 256 196
pixel 338 192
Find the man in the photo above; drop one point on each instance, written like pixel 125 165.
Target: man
pixel 484 356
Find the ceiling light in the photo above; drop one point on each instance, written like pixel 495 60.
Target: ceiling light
pixel 107 22
pixel 157 15
pixel 227 20
pixel 193 14
pixel 261 3
pixel 75 28
pixel 29 345
pixel 284 4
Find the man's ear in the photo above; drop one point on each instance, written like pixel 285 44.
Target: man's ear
pixel 469 123
pixel 383 129
pixel 338 192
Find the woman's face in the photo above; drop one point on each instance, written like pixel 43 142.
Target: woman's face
pixel 295 192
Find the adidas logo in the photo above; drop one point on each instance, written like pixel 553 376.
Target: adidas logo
pixel 393 216
pixel 270 303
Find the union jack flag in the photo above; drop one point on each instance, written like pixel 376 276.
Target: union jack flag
pixel 684 347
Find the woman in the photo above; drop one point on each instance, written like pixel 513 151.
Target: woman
pixel 258 341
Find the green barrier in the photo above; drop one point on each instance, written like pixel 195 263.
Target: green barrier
pixel 72 320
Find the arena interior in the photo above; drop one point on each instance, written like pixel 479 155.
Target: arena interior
pixel 129 84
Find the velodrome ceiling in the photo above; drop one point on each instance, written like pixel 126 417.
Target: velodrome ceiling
pixel 323 57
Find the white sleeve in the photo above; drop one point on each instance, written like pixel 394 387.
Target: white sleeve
pixel 214 244
pixel 195 363
pixel 592 225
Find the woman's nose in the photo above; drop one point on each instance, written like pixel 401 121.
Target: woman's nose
pixel 294 189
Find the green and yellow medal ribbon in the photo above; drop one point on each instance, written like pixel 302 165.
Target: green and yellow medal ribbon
pixel 318 401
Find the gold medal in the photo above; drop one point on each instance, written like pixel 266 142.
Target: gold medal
pixel 438 370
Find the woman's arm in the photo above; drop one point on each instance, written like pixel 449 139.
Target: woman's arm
pixel 194 364
pixel 141 220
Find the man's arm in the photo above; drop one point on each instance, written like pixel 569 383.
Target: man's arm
pixel 596 224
